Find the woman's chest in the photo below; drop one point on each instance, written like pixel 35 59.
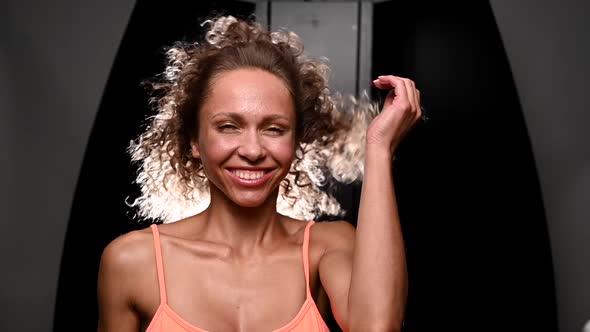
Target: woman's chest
pixel 220 295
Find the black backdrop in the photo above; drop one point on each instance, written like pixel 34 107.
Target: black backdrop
pixel 476 236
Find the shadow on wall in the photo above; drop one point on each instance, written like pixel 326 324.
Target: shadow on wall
pixel 468 193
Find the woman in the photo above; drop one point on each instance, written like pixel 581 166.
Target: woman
pixel 237 115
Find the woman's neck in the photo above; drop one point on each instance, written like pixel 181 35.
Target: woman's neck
pixel 244 229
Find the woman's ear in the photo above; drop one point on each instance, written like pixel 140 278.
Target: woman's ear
pixel 195 151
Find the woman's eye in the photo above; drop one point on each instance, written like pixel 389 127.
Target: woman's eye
pixel 227 127
pixel 276 130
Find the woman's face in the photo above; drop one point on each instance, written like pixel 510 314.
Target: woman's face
pixel 246 139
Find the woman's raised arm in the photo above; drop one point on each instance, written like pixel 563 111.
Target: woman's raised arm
pixel 373 263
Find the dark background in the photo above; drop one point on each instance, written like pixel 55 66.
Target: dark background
pixel 474 217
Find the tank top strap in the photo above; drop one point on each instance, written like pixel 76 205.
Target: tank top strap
pixel 159 263
pixel 305 254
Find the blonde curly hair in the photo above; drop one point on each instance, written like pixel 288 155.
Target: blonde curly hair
pixel 330 129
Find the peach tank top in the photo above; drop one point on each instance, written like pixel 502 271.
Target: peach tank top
pixel 308 319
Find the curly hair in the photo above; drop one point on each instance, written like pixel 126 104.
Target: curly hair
pixel 173 184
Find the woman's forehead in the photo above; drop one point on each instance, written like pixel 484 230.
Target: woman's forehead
pixel 250 92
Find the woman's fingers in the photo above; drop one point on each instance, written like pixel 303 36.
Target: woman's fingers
pixel 415 93
pixel 401 111
pixel 411 90
pixel 399 97
pixel 419 115
pixel 405 93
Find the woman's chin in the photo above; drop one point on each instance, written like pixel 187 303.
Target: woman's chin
pixel 252 198
pixel 250 202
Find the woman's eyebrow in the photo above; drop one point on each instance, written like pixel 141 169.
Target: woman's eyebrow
pixel 276 117
pixel 240 117
pixel 233 115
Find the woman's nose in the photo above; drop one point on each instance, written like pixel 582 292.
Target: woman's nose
pixel 251 147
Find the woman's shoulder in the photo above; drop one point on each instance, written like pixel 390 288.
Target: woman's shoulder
pixel 333 234
pixel 126 271
pixel 129 252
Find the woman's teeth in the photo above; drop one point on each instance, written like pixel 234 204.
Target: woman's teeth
pixel 249 175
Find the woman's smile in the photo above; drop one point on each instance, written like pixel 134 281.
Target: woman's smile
pixel 250 178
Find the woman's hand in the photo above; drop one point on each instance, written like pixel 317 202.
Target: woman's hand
pixel 401 111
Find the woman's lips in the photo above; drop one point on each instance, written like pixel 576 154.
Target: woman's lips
pixel 250 178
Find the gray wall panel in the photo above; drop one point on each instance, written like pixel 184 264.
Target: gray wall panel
pixel 55 60
pixel 547 44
